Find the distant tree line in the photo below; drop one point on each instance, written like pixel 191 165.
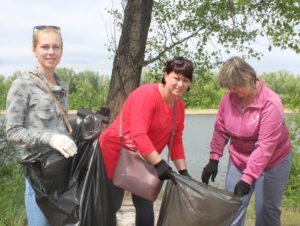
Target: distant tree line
pixel 88 89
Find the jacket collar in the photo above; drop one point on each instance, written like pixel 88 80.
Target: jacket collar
pixel 61 86
pixel 258 99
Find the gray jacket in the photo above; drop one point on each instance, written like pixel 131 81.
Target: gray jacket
pixel 32 117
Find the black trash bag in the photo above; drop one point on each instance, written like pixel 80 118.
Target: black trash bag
pixel 73 191
pixel 192 203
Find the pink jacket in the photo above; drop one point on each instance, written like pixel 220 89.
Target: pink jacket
pixel 258 136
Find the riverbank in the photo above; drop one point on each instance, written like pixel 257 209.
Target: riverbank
pixel 187 112
pixel 201 111
pixel 193 111
pixel 215 111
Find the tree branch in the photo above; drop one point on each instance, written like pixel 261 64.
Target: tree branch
pixel 167 48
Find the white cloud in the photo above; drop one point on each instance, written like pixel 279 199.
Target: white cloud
pixel 83 28
pixel 277 60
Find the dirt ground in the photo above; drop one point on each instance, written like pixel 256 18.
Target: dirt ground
pixel 126 215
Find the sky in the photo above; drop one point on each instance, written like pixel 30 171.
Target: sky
pixel 85 26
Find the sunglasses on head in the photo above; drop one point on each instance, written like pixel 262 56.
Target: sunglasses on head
pixel 41 27
pixel 181 63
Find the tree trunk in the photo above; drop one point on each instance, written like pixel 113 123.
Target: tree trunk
pixel 129 57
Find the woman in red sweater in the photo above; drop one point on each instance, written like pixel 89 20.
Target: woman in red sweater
pixel 147 121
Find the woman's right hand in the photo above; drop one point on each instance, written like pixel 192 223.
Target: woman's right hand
pixel 64 144
pixel 164 171
pixel 242 188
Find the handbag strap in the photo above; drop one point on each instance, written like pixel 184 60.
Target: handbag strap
pixel 172 133
pixel 173 130
pixel 174 126
pixel 46 87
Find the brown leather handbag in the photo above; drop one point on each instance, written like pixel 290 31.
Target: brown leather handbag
pixel 134 174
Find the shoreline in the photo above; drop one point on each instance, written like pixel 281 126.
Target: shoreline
pixel 201 111
pixel 195 111
pixel 187 111
pixel 190 111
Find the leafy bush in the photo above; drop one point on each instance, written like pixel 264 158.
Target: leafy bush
pixel 286 85
pixel 292 193
pixel 11 184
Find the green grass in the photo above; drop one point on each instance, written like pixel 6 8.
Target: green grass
pixel 289 217
pixel 12 196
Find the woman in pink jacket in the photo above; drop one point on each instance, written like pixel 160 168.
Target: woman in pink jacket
pixel 251 119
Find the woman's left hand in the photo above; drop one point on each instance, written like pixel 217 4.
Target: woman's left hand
pixel 185 173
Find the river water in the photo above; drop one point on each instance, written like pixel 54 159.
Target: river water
pixel 196 138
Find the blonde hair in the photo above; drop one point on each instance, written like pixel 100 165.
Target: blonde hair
pixel 237 72
pixel 38 32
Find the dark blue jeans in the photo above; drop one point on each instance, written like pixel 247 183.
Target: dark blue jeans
pixel 144 212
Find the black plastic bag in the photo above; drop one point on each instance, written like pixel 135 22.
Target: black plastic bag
pixel 192 203
pixel 73 191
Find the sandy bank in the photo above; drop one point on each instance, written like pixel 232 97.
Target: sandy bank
pixel 195 111
pixel 201 111
pixel 187 112
pixel 126 215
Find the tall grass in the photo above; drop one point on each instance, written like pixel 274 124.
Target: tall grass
pixel 292 192
pixel 12 211
pixel 289 216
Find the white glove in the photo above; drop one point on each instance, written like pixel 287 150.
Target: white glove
pixel 64 145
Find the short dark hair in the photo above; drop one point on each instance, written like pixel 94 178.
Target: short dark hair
pixel 179 65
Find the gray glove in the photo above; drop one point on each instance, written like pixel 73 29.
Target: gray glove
pixel 64 144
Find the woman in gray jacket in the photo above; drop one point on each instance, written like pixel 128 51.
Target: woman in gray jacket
pixel 33 119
